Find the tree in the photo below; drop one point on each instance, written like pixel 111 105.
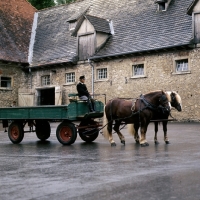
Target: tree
pixel 64 1
pixel 40 4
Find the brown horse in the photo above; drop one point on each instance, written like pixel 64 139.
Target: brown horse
pixel 176 102
pixel 137 112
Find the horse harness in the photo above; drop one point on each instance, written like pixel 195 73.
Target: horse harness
pixel 147 104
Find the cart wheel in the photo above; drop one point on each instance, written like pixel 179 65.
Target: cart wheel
pixel 43 129
pixel 66 133
pixel 88 134
pixel 16 132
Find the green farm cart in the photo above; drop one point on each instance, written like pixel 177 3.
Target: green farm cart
pixel 38 117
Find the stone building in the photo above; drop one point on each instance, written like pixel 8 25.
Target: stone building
pixel 124 48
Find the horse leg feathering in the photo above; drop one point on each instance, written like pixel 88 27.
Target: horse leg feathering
pixel 165 132
pixel 143 141
pixel 133 132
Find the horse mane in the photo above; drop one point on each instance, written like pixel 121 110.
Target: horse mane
pixel 168 95
pixel 153 92
pixel 178 98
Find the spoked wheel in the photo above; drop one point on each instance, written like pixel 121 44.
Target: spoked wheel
pixel 16 132
pixel 43 129
pixel 66 133
pixel 88 134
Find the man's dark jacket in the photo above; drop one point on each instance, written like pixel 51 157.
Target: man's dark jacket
pixel 82 90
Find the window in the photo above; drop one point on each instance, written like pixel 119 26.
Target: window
pixel 5 82
pixel 72 25
pixel 182 65
pixel 138 70
pixel 70 77
pixel 46 80
pixel 102 73
pixel 161 7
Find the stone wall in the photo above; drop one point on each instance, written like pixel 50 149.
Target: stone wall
pixel 120 83
pixel 8 95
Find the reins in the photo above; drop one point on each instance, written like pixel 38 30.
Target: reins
pixel 147 105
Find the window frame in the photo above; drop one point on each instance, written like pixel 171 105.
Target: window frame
pixel 70 83
pixel 96 74
pixel 174 71
pixel 11 83
pixel 138 76
pixel 45 81
pixel 161 6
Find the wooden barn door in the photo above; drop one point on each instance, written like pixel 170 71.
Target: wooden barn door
pixel 197 27
pixel 26 97
pixel 86 46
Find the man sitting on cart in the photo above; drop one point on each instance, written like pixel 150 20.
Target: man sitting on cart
pixel 84 94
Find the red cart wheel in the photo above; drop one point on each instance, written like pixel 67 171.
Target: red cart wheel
pixel 66 133
pixel 15 132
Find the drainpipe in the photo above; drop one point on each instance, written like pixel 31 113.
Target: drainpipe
pixel 92 76
pixel 31 76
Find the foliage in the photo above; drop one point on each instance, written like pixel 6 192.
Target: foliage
pixel 40 4
pixel 64 1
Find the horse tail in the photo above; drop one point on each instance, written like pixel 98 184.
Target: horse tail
pixel 131 129
pixel 105 122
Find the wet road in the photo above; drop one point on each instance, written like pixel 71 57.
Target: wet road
pixel 35 170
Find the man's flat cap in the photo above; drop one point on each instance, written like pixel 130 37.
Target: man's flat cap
pixel 82 77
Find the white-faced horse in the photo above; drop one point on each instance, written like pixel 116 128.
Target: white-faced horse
pixel 175 101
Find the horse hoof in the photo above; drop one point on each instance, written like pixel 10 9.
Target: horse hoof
pixel 123 142
pixel 167 142
pixel 137 142
pixel 113 144
pixel 144 144
pixel 156 142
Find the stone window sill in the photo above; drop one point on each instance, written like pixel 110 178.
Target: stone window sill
pixel 100 80
pixel 141 76
pixel 7 89
pixel 180 73
pixel 66 84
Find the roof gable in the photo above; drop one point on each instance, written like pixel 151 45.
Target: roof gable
pixel 100 24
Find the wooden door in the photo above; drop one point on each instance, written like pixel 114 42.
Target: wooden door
pixel 86 46
pixel 26 97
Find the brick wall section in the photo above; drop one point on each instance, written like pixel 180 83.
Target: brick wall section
pixel 159 75
pixel 18 80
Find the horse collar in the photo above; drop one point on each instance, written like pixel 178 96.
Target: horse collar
pixel 147 104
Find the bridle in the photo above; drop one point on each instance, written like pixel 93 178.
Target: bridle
pixel 161 108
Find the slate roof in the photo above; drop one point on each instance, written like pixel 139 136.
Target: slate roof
pixel 138 27
pixel 16 18
pixel 101 25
